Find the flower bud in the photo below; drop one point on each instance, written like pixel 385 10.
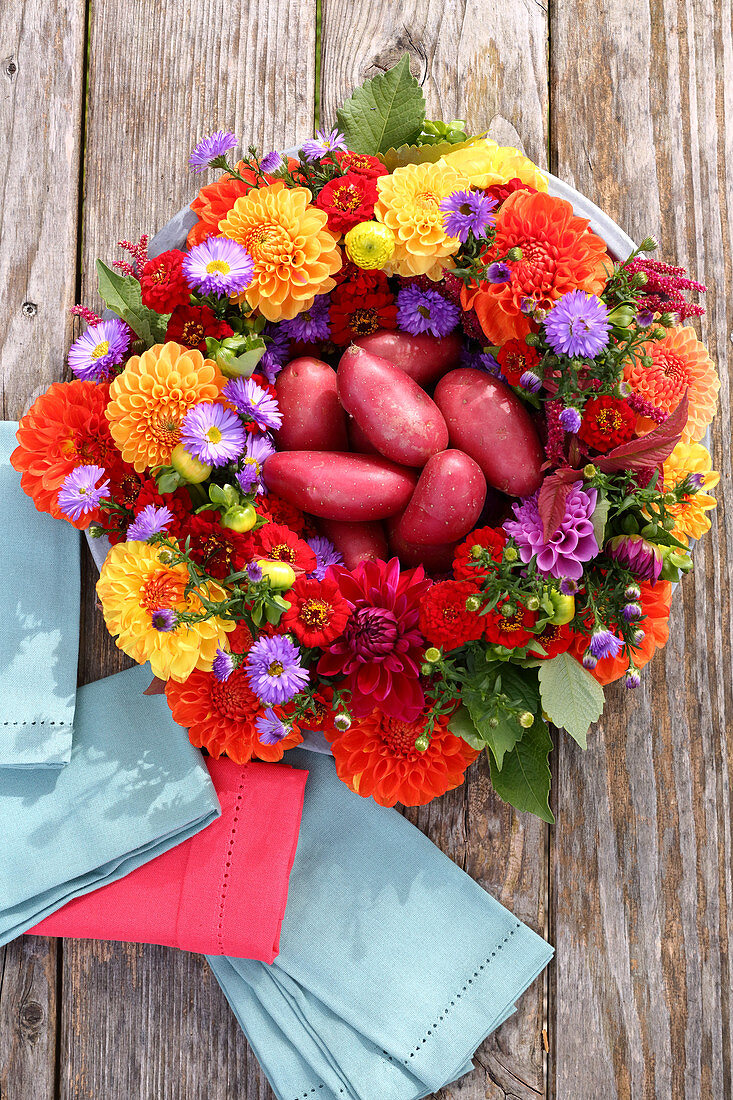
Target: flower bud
pixel 632 592
pixel 589 661
pixel 95 532
pixel 589 471
pixel 508 610
pixel 422 743
pixel 370 245
pixel 473 603
pixel 493 723
pixel 649 244
pixel 623 315
pixel 432 654
pixel 632 678
pixel 640 557
pixel 514 254
pixel 639 279
pixel 476 551
pixel 510 554
pixel 189 468
pixel 533 603
pixel 526 719
pixel 342 721
pixel 667 320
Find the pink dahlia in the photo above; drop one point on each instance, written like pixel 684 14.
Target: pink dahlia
pixel 573 543
pixel 380 650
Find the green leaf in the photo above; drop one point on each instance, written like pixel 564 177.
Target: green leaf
pixel 524 781
pixel 123 296
pixel 385 112
pixel 421 154
pixel 462 726
pixel 571 697
pixel 500 738
pixel 599 519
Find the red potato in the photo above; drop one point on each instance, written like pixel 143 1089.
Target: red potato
pixel 434 559
pixel 487 421
pixel 358 442
pixel 356 542
pixel 394 414
pixel 334 485
pixel 313 419
pixel 424 357
pixel 447 501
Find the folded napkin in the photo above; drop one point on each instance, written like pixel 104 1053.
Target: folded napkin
pixel 134 787
pixel 393 967
pixel 39 625
pixel 222 891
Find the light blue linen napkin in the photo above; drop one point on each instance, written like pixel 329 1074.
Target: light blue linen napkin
pixel 39 625
pixel 394 965
pixel 134 787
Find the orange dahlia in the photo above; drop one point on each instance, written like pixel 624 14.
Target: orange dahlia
pixel 149 400
pixel 377 757
pixel 679 362
pixel 214 202
pixel 142 597
pixel 220 717
pixel 409 205
pixel 654 602
pixel 64 428
pixel 559 254
pixel 294 254
pixel 486 164
pixel 690 459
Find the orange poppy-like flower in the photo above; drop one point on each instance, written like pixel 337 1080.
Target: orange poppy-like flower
pixel 487 164
pixel 220 716
pixel 409 205
pixel 679 362
pixel 64 428
pixel 149 400
pixel 559 254
pixel 142 597
pixel 214 202
pixel 654 603
pixel 377 758
pixel 293 252
pixel 689 514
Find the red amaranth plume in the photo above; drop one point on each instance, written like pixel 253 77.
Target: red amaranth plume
pixel 662 292
pixel 87 315
pixel 139 254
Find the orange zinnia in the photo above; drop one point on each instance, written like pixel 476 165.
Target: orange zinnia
pixel 654 603
pixel 679 362
pixel 559 254
pixel 64 428
pixel 294 254
pixel 377 757
pixel 152 396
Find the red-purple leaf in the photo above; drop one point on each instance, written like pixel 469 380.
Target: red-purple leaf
pixel 651 449
pixel 551 500
pixel 155 687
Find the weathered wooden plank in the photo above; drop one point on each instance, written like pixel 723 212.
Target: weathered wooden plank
pixel 641 861
pixel 144 1021
pixel 485 63
pixel 28 1008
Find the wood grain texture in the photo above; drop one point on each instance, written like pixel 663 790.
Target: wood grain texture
pixel 642 123
pixel 28 1016
pixel 485 63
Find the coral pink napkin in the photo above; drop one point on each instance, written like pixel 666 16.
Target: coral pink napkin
pixel 223 891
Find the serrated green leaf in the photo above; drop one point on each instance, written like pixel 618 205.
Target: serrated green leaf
pixel 462 726
pixel 524 781
pixel 386 111
pixel 599 519
pixel 420 154
pixel 500 738
pixel 123 296
pixel 571 697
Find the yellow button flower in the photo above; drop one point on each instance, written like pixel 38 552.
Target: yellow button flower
pixel 369 245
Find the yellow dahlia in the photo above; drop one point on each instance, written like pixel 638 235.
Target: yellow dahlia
pixel 679 363
pixel 141 598
pixel 690 519
pixel 149 400
pixel 294 254
pixel 486 163
pixel 409 204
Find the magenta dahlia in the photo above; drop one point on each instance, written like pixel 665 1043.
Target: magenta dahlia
pixel 380 650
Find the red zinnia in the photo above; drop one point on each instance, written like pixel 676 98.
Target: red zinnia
pixel 511 631
pixel 607 422
pixel 347 201
pixel 276 510
pixel 554 639
pixel 190 325
pixel 318 612
pixel 377 757
pixel 443 617
pixel 216 549
pixel 361 163
pixel 515 358
pixel 489 538
pixel 162 283
pixel 501 191
pixel 277 543
pixel 361 306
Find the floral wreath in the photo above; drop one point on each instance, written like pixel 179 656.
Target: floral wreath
pixel 460 534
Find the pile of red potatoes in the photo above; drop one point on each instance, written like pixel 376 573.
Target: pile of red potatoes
pixel 395 450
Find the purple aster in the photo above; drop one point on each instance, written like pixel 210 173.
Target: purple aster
pixel 633 679
pixel 80 493
pixel 274 670
pixel 213 434
pixel 218 266
pixel 578 324
pixel 253 402
pixel 568 587
pixel 468 212
pixel 270 729
pixel 271 162
pixel 224 664
pixel 254 572
pixel 604 643
pixel 312 324
pixel 326 556
pixel 632 611
pixel 256 450
pixel 487 362
pixel 150 521
pixel 100 348
pixel 531 381
pixel 426 311
pixel 498 272
pixel 570 420
pixel 164 619
pixel 574 541
pixel 211 148
pixel 276 353
pixel 645 318
pixel 317 147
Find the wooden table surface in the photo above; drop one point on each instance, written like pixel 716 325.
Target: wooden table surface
pixel 631 101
